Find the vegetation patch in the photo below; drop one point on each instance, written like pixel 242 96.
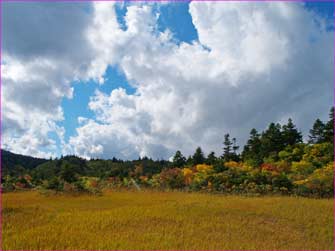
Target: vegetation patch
pixel 148 220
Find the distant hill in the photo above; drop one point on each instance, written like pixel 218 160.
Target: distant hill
pixel 12 161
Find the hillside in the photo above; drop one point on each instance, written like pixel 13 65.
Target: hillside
pixel 12 162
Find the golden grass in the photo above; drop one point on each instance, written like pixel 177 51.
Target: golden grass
pixel 165 220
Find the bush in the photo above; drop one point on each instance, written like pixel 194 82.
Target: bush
pixel 318 184
pixel 54 184
pixel 282 182
pixel 172 178
pixel 302 167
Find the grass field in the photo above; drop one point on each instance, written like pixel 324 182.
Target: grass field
pixel 164 220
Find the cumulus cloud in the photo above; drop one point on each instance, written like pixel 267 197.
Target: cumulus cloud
pixel 44 50
pixel 254 63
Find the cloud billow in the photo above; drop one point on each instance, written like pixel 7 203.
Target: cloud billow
pixel 254 63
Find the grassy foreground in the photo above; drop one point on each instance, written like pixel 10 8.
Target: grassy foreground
pixel 164 220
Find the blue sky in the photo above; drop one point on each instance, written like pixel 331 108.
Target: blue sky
pixel 77 106
pixel 176 103
pixel 324 8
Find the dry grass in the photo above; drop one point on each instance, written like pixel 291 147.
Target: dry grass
pixel 165 220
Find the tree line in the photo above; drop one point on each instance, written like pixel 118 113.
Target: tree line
pixel 275 160
pixel 262 147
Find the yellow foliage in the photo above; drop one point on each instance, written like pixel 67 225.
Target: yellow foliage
pixel 209 185
pixel 187 171
pixel 203 168
pixel 188 174
pixel 300 182
pixel 232 164
pixel 323 177
pixel 246 167
pixel 303 167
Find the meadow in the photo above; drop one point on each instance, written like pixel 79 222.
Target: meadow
pixel 148 220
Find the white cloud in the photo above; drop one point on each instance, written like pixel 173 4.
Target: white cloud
pixel 261 65
pixel 44 49
pixel 254 63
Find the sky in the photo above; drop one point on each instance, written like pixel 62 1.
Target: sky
pixel 128 80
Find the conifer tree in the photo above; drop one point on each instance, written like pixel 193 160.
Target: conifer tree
pixel 178 160
pixel 198 157
pixel 329 128
pixel 291 135
pixel 316 134
pixel 227 149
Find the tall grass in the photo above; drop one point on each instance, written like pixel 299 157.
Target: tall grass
pixel 165 220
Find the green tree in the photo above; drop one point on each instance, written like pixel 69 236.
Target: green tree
pixel 329 128
pixel 234 155
pixel 272 140
pixel 198 157
pixel 316 134
pixel 228 148
pixel 211 159
pixel 252 150
pixel 189 161
pixel 291 135
pixel 54 184
pixel 68 173
pixel 178 160
pixel 235 146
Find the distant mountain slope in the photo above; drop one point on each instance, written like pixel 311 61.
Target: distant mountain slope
pixel 10 161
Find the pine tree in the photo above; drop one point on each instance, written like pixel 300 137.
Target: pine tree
pixel 189 161
pixel 272 140
pixel 68 173
pixel 211 159
pixel 329 128
pixel 227 149
pixel 252 150
pixel 316 134
pixel 198 157
pixel 178 160
pixel 291 135
pixel 235 146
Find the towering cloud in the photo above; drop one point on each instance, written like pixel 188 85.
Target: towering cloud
pixel 253 63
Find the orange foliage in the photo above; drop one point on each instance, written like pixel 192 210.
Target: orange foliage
pixel 93 183
pixel 143 178
pixel 269 167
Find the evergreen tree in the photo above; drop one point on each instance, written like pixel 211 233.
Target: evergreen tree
pixel 291 135
pixel 329 128
pixel 272 140
pixel 178 160
pixel 211 159
pixel 235 146
pixel 252 150
pixel 198 157
pixel 227 149
pixel 189 161
pixel 68 172
pixel 235 156
pixel 316 134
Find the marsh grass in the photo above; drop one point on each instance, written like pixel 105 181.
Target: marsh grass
pixel 164 220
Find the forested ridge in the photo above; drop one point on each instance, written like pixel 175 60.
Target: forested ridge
pixel 11 161
pixel 274 161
